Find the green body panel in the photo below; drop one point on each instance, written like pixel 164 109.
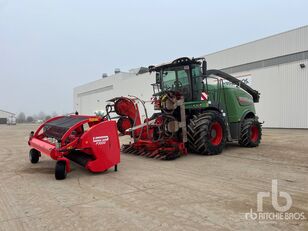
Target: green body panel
pixel 234 101
pixel 196 104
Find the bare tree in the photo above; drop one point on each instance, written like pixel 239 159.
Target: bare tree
pixel 30 119
pixel 21 118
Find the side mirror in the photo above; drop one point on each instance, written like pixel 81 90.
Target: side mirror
pixel 204 67
pixel 157 78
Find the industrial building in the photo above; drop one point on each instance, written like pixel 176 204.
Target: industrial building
pixel 92 97
pixel 276 66
pixel 6 116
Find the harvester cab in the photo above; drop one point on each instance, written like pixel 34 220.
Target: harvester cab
pixel 182 75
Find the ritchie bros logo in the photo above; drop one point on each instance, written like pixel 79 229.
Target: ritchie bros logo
pixel 281 213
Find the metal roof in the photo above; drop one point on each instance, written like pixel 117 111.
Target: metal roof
pixel 7 112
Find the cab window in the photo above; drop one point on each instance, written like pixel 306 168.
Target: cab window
pixel 168 79
pixel 183 77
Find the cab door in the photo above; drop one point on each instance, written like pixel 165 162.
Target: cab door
pixel 182 83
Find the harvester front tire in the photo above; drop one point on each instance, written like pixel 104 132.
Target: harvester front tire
pixel 60 171
pixel 251 133
pixel 207 133
pixel 34 156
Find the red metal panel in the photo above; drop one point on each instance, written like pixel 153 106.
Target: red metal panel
pixel 100 141
pixel 42 146
pixel 104 143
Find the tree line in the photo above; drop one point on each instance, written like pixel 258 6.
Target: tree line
pixel 23 118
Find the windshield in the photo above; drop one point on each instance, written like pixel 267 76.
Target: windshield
pixel 175 78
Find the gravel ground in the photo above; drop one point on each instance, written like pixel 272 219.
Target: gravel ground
pixel 191 193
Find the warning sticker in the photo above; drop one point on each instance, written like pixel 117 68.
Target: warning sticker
pixel 100 140
pixel 204 96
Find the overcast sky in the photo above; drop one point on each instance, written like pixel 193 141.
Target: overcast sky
pixel 48 47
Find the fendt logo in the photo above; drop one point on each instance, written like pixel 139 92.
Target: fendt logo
pixel 281 213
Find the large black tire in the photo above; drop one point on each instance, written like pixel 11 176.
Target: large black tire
pixel 34 156
pixel 60 170
pixel 251 133
pixel 207 133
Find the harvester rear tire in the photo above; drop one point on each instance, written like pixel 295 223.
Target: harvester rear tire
pixel 34 156
pixel 60 170
pixel 251 133
pixel 207 133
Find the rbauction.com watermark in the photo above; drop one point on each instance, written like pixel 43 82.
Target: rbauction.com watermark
pixel 281 213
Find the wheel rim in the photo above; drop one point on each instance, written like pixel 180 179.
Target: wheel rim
pixel 254 133
pixel 216 133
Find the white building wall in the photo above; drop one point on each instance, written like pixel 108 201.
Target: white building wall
pixel 5 114
pixel 277 45
pixel 284 96
pixel 91 97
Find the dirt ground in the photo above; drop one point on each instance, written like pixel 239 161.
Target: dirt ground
pixel 191 193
